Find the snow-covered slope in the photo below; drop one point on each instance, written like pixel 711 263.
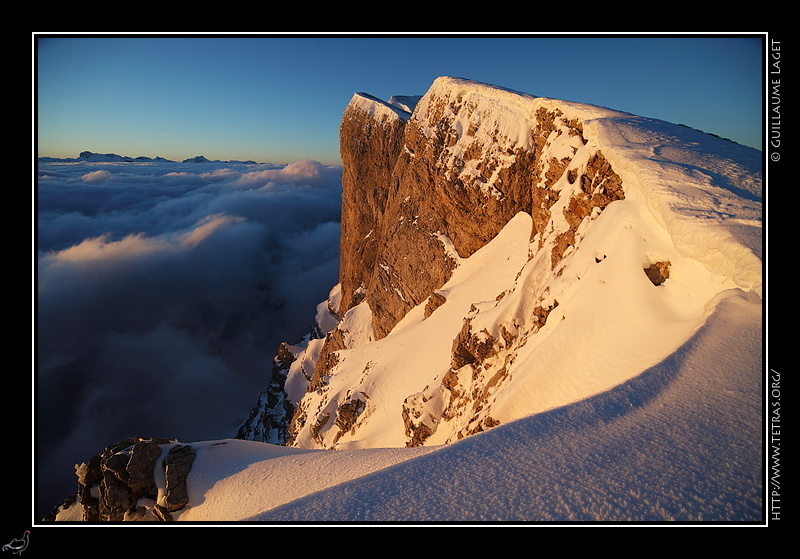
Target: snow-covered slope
pixel 531 321
pixel 612 376
pixel 680 442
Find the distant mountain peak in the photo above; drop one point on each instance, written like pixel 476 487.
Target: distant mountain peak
pixel 92 157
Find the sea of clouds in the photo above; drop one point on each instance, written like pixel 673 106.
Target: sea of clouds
pixel 163 290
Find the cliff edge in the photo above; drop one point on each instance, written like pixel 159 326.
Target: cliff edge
pixel 501 252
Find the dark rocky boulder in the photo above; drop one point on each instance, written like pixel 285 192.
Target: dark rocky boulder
pixel 119 484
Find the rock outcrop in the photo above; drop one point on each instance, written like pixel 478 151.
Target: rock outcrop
pixel 269 418
pixel 120 483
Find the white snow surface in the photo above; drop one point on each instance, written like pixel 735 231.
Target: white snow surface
pixel 680 442
pixel 379 109
pixel 634 402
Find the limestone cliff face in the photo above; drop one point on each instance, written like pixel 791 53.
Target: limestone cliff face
pixel 423 190
pixel 450 170
pixel 370 139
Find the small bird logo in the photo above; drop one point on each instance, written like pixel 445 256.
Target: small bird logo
pixel 18 545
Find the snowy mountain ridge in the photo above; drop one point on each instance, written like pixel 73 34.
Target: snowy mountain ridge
pixel 472 363
pixel 534 294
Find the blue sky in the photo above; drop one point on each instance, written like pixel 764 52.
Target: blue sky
pixel 280 99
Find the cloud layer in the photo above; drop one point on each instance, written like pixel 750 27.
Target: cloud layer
pixel 162 292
